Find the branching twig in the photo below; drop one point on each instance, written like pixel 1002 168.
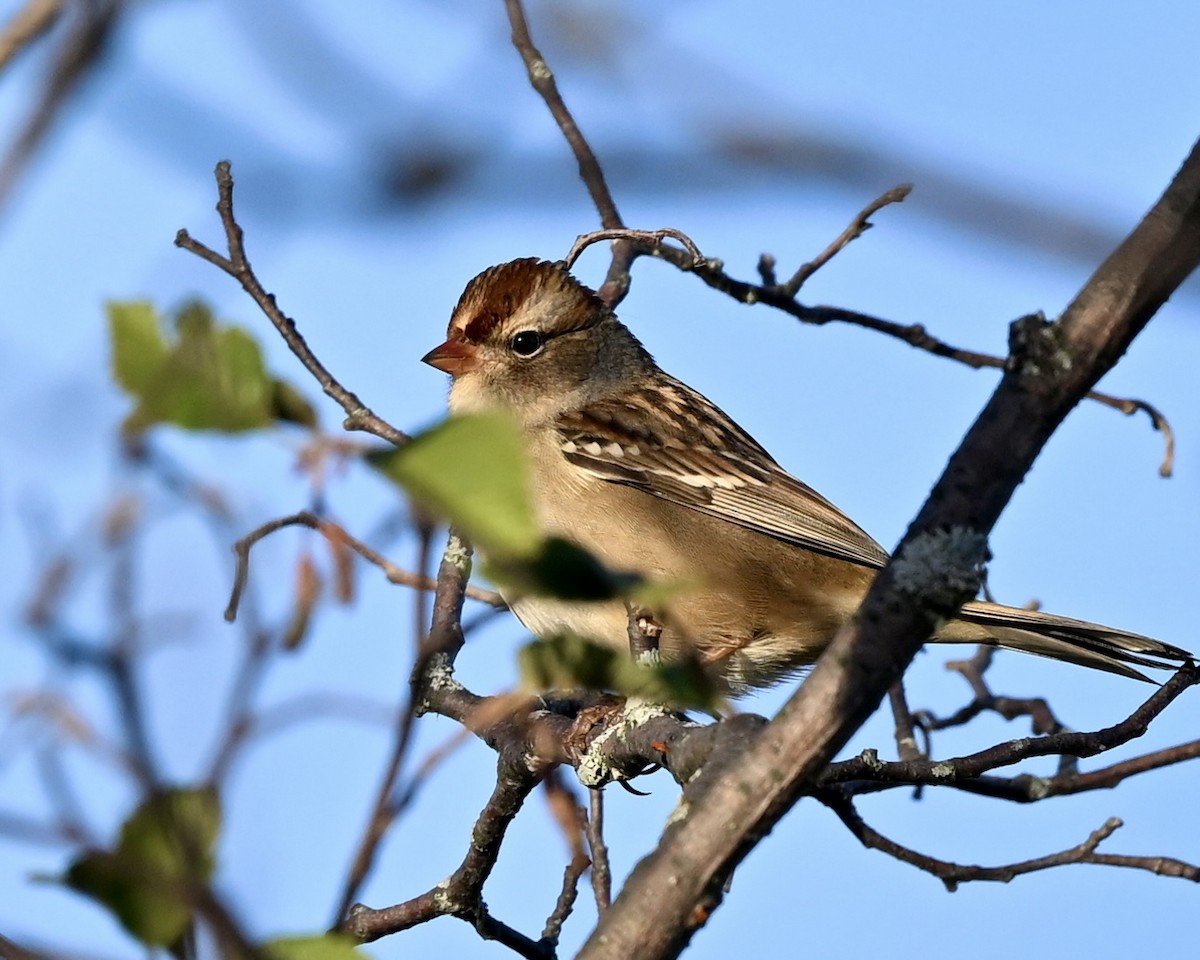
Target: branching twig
pixel 712 272
pixel 780 296
pixel 650 240
pixel 447 616
pixel 858 226
pixel 358 415
pixel 541 78
pixel 336 533
pixel 1064 743
pixel 460 895
pixel 952 874
pixel 1037 709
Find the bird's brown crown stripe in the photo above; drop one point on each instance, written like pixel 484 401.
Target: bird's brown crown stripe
pixel 493 296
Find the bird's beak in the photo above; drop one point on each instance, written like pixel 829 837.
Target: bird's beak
pixel 454 357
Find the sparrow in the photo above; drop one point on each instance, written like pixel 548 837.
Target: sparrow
pixel 653 478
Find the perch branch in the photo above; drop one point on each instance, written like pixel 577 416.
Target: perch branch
pixel 1052 367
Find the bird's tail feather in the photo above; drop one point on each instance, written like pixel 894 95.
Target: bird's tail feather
pixel 1061 638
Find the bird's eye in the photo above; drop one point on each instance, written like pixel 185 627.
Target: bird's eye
pixel 527 343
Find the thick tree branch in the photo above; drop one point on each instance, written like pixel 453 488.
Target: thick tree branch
pixel 1050 369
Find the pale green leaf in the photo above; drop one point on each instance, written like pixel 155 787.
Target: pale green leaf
pixel 571 662
pixel 330 946
pixel 138 348
pixel 208 377
pixel 473 471
pixel 166 847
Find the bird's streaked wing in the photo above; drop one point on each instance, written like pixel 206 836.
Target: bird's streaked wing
pixel 671 442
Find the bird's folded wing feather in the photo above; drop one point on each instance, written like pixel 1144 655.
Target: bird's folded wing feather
pixel 674 444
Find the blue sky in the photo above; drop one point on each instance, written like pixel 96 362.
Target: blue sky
pixel 1075 118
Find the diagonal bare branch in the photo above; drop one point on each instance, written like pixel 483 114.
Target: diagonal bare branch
pixel 237 265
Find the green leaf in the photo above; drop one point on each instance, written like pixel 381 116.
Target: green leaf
pixel 331 946
pixel 473 471
pixel 562 569
pixel 138 348
pixel 166 847
pixel 291 406
pixel 571 662
pixel 211 377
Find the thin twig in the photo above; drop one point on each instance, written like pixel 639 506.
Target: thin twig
pixel 566 900
pixel 858 226
pixel 1129 407
pixel 952 874
pixel 336 533
pixel 572 821
pixel 358 415
pixel 541 78
pixel 25 26
pixel 460 895
pixel 650 240
pixel 77 55
pixel 447 606
pixel 404 797
pixel 906 742
pixel 122 673
pixel 315 705
pixel 601 871
pixel 381 817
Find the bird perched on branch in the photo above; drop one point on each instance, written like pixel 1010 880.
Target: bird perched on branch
pixel 653 478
